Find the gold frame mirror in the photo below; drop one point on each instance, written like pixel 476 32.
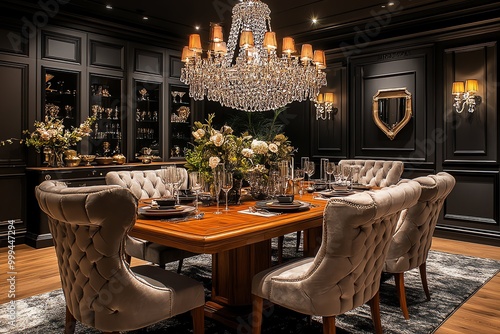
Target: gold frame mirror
pixel 392 110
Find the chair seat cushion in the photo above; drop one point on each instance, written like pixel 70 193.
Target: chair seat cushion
pixel 187 293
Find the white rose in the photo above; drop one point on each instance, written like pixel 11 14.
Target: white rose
pixel 217 139
pixel 198 134
pixel 273 148
pixel 259 147
pixel 247 152
pixel 213 162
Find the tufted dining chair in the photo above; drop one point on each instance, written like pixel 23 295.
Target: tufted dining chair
pixel 148 184
pixel 101 290
pixel 412 239
pixel 346 271
pixel 376 172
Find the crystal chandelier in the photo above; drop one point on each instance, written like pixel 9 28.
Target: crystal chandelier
pixel 247 73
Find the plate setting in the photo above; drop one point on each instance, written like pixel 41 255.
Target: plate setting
pixel 274 205
pixel 336 193
pixel 178 210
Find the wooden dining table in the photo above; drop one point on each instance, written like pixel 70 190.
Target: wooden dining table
pixel 240 245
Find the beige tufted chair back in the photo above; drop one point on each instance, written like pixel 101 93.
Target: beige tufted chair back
pixel 346 271
pixel 377 172
pixel 143 184
pixel 413 236
pixel 89 226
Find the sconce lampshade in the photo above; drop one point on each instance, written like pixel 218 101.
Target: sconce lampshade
pixel 216 33
pixel 195 43
pixel 328 97
pixel 319 99
pixel 471 86
pixel 458 87
pixel 288 45
pixel 246 39
pixel 270 40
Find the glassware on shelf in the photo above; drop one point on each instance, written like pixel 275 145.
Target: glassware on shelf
pixel 180 94
pixel 174 95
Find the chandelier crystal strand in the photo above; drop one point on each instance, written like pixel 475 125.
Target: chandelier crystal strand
pixel 256 79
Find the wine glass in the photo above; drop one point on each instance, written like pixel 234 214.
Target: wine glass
pixel 195 186
pixel 284 176
pixel 174 94
pixel 179 179
pixel 227 184
pixel 330 169
pixel 218 179
pixel 167 177
pixel 180 94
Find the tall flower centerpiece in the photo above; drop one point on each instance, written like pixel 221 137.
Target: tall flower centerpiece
pixel 244 155
pixel 51 137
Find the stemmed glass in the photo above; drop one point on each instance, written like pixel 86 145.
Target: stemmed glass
pixel 218 179
pixel 195 186
pixel 178 182
pixel 309 170
pixel 174 94
pixel 167 175
pixel 180 94
pixel 227 184
pixel 330 169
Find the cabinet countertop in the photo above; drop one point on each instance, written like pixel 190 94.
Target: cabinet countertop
pixel 110 166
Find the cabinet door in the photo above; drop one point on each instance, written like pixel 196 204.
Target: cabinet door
pixel 106 106
pixel 180 122
pixel 60 96
pixel 148 113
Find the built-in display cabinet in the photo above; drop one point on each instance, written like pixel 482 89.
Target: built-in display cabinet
pixel 148 114
pixel 180 121
pixel 106 106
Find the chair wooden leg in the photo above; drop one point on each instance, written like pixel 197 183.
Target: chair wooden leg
pixel 198 315
pixel 179 267
pixel 257 305
pixel 375 310
pixel 400 288
pixel 329 325
pixel 423 278
pixel 70 323
pixel 281 239
pixel 297 245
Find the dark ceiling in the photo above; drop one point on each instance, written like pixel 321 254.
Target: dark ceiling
pixel 175 20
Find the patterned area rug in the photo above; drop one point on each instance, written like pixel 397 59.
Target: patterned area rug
pixel 452 280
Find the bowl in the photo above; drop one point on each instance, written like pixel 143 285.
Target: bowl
pixel 104 160
pixel 88 158
pixel 166 202
pixel 119 159
pixel 72 162
pixel 285 199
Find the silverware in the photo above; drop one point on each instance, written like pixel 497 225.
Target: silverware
pixel 254 209
pixel 183 219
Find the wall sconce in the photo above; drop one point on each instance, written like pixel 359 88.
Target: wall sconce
pixel 465 94
pixel 324 106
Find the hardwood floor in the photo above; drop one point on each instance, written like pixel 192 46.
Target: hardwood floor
pixel 37 273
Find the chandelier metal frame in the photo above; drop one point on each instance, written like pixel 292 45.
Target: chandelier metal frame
pixel 248 74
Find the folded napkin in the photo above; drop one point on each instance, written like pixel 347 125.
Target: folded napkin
pixel 321 197
pixel 260 213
